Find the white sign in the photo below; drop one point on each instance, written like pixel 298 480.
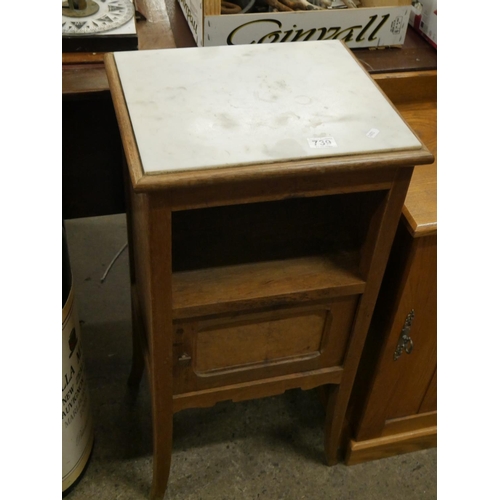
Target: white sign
pixel 370 27
pixel 193 12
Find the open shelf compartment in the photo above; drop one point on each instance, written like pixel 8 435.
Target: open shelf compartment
pixel 270 254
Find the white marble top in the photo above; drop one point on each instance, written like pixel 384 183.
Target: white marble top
pixel 196 108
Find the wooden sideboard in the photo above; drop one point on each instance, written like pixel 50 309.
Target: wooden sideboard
pixel 394 405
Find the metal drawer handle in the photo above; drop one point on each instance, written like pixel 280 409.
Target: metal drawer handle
pixel 405 342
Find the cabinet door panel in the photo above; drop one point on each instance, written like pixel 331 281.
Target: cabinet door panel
pixel 226 350
pixel 415 371
pixel 396 389
pixel 226 346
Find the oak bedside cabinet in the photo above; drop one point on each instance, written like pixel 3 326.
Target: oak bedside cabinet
pixel 265 185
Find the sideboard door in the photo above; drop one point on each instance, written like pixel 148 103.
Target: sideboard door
pixel 394 405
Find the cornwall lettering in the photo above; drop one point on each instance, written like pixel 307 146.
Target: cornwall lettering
pixel 243 33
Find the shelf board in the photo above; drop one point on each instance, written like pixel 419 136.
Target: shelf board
pixel 265 284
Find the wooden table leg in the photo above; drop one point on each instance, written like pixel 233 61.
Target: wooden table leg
pixel 155 241
pixel 138 332
pixel 162 431
pixel 137 369
pixel 149 231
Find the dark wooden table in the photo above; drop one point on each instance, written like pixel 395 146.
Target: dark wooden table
pixel 92 162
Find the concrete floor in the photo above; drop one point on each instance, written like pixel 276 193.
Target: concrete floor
pixel 264 449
